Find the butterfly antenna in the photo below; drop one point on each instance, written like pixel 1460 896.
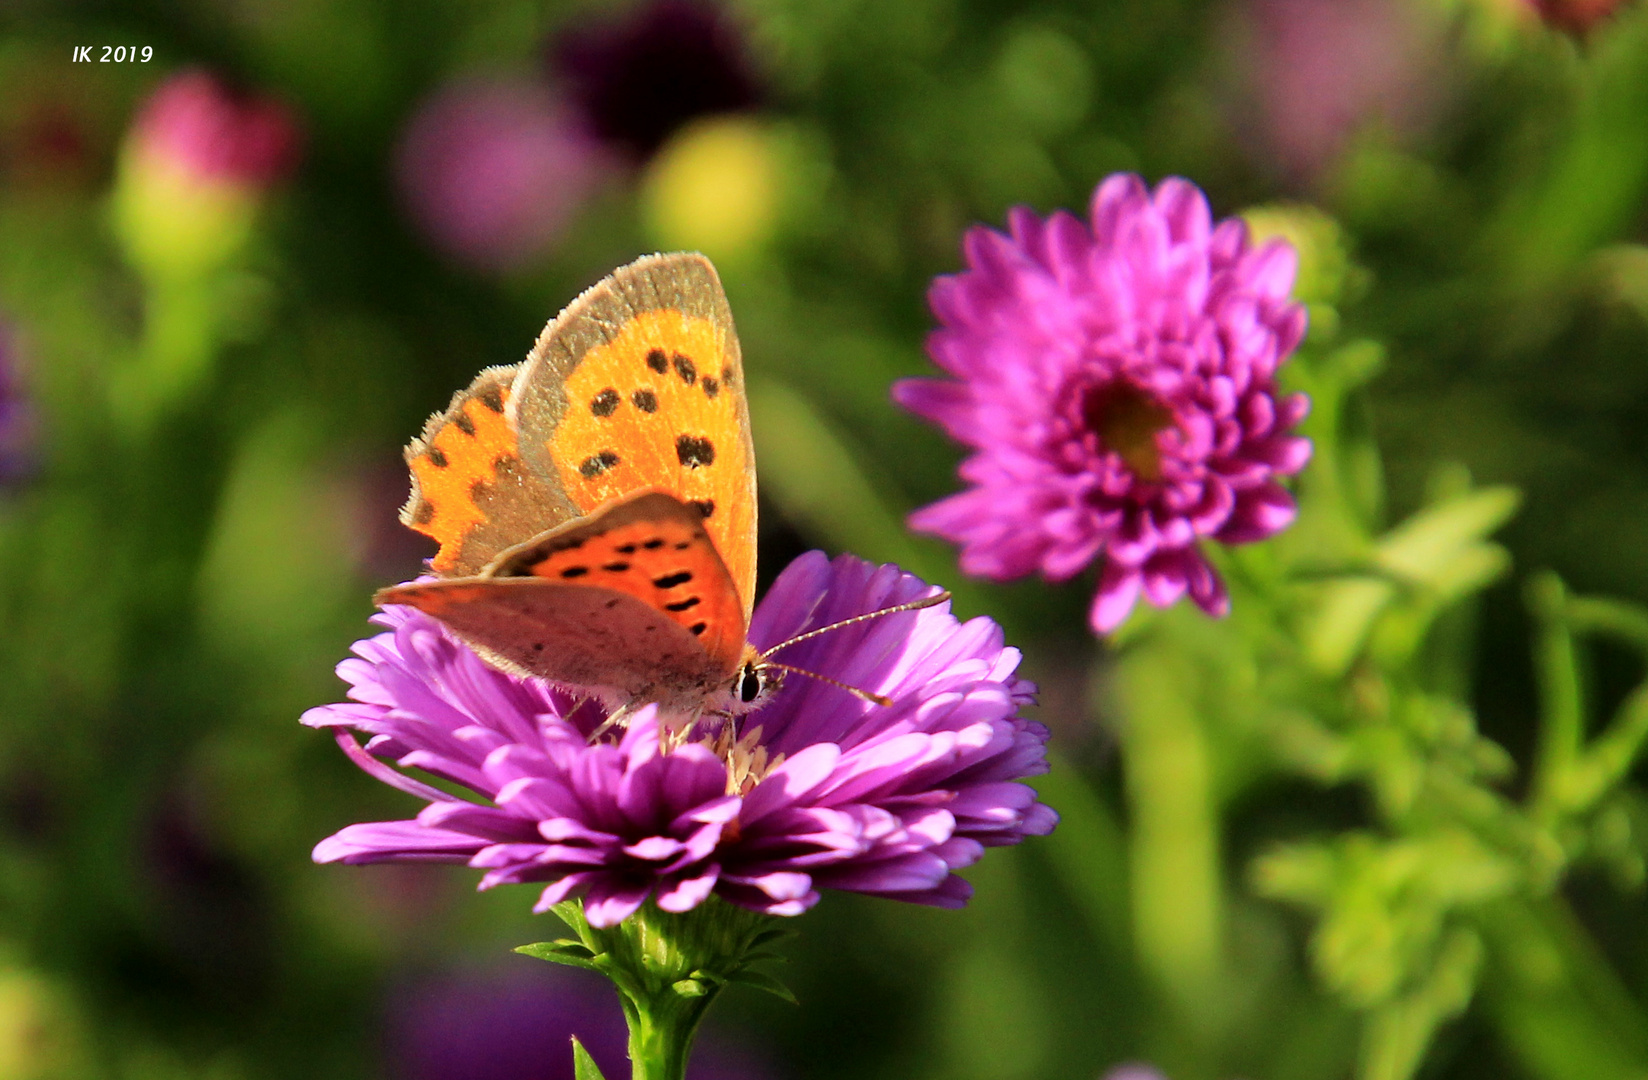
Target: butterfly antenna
pixel 913 605
pixel 862 695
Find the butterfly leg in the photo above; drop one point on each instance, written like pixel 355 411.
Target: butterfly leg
pixel 617 719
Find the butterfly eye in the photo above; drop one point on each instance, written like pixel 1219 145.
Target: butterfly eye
pixel 750 684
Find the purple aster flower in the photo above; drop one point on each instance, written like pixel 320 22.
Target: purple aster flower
pixel 493 170
pixel 640 77
pixel 823 790
pixel 1119 387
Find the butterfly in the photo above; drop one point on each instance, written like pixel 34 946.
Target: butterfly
pixel 595 506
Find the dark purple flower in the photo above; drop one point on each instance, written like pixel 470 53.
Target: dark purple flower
pixel 641 76
pixel 517 1023
pixel 18 429
pixel 1118 385
pixel 492 170
pixel 201 129
pixel 824 790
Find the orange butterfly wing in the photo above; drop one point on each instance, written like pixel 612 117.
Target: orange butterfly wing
pixel 471 492
pixel 633 597
pixel 639 384
pixel 629 410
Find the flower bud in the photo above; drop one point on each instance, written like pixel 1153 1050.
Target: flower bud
pixel 195 167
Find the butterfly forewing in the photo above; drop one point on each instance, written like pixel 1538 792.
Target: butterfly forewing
pixel 639 384
pixel 471 492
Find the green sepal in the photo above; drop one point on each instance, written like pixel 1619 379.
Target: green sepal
pixel 690 987
pixel 583 1066
pixel 760 980
pixel 572 953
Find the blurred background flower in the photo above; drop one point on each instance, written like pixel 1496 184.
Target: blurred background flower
pixel 1316 73
pixel 1576 16
pixel 19 433
pixel 196 163
pixel 639 76
pixel 493 170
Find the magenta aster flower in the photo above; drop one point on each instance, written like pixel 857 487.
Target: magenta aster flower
pixel 823 791
pixel 1118 385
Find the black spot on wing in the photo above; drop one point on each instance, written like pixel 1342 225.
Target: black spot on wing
pixel 574 572
pixel 605 403
pixel 493 398
pixel 436 458
pixel 698 627
pixel 423 512
pixel 685 368
pixel 651 545
pixel 711 387
pixel 705 507
pixel 463 423
pixel 683 605
pixel 645 400
pixel 615 567
pixel 694 451
pixel 670 581
pixel 597 464
pixel 625 549
pixel 657 361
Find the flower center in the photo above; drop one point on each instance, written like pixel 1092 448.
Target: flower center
pixel 746 758
pixel 1127 420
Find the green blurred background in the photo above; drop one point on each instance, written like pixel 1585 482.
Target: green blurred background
pixel 200 496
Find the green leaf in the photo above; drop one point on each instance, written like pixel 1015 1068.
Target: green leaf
pixel 762 981
pixel 583 1066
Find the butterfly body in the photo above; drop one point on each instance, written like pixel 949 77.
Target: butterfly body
pixel 595 505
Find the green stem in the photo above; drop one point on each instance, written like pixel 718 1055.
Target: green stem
pixel 1177 893
pixel 668 969
pixel 661 1031
pixel 1561 721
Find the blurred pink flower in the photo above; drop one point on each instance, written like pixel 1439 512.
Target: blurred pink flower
pixel 1318 70
pixel 209 133
pixel 493 169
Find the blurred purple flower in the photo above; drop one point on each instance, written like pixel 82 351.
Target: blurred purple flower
pixel 640 76
pixel 824 790
pixel 493 169
pixel 1119 388
pixel 1320 69
pixel 206 132
pixel 1577 17
pixel 18 425
pixel 1133 1072
pixel 517 1023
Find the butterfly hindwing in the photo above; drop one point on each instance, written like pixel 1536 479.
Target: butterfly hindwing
pixel 638 385
pixel 651 547
pixel 471 492
pixel 580 635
